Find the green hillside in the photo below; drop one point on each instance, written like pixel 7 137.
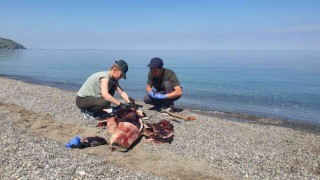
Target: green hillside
pixel 9 44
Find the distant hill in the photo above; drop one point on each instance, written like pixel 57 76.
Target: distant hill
pixel 9 44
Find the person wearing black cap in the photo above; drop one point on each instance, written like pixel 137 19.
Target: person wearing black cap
pixel 96 94
pixel 166 84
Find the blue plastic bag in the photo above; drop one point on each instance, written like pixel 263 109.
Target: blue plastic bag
pixel 75 141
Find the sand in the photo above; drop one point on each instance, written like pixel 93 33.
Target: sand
pixel 36 122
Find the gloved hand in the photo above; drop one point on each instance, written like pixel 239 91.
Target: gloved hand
pixel 160 96
pixel 151 93
pixel 124 106
pixel 131 105
pixel 132 100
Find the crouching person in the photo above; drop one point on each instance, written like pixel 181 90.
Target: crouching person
pixel 166 84
pixel 96 94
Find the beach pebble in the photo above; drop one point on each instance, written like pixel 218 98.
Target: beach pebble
pixel 229 149
pixel 82 173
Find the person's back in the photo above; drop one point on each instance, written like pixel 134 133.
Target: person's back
pixel 92 86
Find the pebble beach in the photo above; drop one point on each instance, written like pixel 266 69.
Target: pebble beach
pixel 36 121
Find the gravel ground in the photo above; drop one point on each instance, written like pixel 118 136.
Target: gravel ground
pixel 25 156
pixel 37 120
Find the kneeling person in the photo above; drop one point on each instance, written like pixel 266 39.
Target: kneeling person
pixel 96 94
pixel 166 84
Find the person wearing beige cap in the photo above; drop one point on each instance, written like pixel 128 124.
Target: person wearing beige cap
pixel 96 94
pixel 163 86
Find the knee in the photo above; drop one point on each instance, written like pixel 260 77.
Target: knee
pixel 106 103
pixel 147 99
pixel 168 85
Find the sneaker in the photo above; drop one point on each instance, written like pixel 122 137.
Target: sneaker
pixel 87 114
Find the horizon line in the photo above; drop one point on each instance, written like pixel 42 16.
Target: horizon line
pixel 172 49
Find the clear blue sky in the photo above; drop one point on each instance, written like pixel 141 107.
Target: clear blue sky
pixel 168 25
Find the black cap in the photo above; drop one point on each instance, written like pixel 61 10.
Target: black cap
pixel 155 63
pixel 124 67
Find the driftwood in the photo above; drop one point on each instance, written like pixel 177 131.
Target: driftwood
pixel 176 115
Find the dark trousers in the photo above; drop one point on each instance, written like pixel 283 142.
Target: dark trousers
pixel 168 88
pixel 94 104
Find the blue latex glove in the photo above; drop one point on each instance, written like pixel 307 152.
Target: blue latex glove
pixel 160 96
pixel 75 141
pixel 151 93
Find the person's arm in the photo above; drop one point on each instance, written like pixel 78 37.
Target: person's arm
pixel 177 92
pixel 148 88
pixel 123 94
pixel 105 93
pixel 149 84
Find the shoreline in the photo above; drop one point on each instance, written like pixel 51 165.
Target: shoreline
pixel 214 113
pixel 36 121
pixel 302 126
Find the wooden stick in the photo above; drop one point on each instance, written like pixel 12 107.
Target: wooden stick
pixel 180 116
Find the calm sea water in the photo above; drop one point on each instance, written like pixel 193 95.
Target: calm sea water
pixel 272 84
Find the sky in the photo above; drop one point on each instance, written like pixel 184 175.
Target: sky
pixel 162 25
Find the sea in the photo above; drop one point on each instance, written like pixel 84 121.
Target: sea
pixel 279 84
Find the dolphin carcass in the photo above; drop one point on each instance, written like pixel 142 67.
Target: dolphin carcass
pixel 127 126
